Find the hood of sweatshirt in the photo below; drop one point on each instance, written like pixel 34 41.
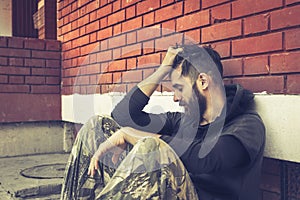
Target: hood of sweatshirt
pixel 239 101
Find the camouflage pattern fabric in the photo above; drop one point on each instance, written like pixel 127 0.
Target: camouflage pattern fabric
pixel 148 170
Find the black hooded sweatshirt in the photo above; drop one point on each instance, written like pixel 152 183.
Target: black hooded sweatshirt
pixel 223 158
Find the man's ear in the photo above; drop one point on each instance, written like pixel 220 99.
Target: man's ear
pixel 203 81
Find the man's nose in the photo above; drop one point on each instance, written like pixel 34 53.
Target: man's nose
pixel 176 97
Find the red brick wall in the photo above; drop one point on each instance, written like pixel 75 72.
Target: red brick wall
pixel 110 45
pixel 258 40
pixel 29 79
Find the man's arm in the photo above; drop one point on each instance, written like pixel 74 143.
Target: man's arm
pixel 149 85
pixel 129 111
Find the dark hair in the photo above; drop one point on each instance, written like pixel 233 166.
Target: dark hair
pixel 196 59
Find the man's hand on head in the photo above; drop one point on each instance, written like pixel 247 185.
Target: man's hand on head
pixel 170 56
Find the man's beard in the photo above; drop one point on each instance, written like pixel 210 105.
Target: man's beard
pixel 197 104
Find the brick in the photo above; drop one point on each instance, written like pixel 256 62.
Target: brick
pixel 131 50
pixel 192 36
pixel 210 3
pixel 45 89
pixel 165 42
pixel 293 82
pixel 148 19
pixel 34 44
pixel 117 29
pixel 117 77
pixel 191 5
pixel 14 88
pixel 3 79
pixel 92 69
pixel 232 67
pixel 93 37
pixel 291 1
pixel 146 6
pixel 126 3
pixel 74 25
pixel 221 13
pixel 223 48
pixel 53 80
pixel 45 71
pixel 3 41
pixel 104 56
pixel 116 17
pixel 15 42
pixel 91 89
pixel 94 26
pixel 270 84
pixel 168 12
pixel 117 41
pixel 132 76
pixel 71 53
pixel 285 62
pixel 117 54
pixel 116 6
pixel 117 65
pixel 105 78
pixel 130 12
pixel 132 24
pixel 14 52
pixel 166 2
pixel 148 47
pixel 15 70
pixel 83 40
pixel 16 79
pixel 285 18
pixel 89 49
pixel 93 16
pixel 222 31
pixel 35 80
pixel 131 38
pixel 104 33
pixel 270 183
pixel 104 66
pixel 248 7
pixel 34 62
pixel 271 166
pixel 131 63
pixel 82 80
pixel 74 15
pixel 92 6
pixel 3 61
pixel 148 33
pixel 94 79
pixel 150 60
pixel 292 39
pixel 104 11
pixel 256 65
pixel 66 28
pixel 82 31
pixel 259 44
pixel 168 27
pixel 71 72
pixel 256 24
pixel 45 54
pixel 71 35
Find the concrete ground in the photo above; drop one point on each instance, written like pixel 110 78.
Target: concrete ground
pixel 32 177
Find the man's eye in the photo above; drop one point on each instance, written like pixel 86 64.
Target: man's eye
pixel 180 89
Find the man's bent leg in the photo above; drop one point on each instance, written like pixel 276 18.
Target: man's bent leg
pixel 77 184
pixel 151 170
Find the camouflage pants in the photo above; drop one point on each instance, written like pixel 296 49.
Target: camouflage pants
pixel 148 170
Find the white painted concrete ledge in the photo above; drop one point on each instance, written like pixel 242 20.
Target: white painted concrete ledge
pixel 280 113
